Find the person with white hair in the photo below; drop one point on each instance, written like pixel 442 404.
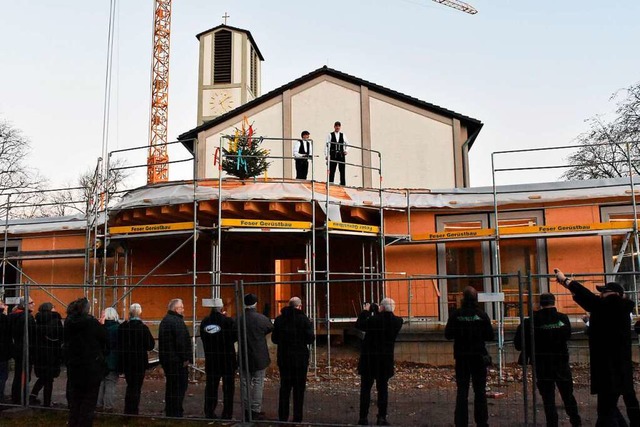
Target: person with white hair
pixel 134 341
pixel 175 356
pixel 376 357
pixel 218 335
pixel 292 332
pixel 107 393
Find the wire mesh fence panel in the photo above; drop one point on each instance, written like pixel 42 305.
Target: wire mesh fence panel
pixel 259 351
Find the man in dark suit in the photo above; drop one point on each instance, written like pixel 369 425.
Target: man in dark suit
pixel 292 332
pixel 175 357
pixel 134 341
pixel 336 152
pixel 376 357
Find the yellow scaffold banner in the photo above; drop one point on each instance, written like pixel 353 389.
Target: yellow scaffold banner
pixel 463 234
pixel 265 223
pixel 567 228
pixel 535 229
pixel 151 228
pixel 347 226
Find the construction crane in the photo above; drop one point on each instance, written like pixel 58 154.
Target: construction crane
pixel 158 159
pixel 459 5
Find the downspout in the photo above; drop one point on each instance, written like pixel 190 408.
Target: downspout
pixel 465 156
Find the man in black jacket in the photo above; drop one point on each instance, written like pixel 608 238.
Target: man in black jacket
pixel 16 324
pixel 376 357
pixel 336 152
pixel 217 334
pixel 5 349
pixel 551 331
pixel 134 341
pixel 609 346
pixel 470 328
pixel 175 356
pixel 85 348
pixel 292 332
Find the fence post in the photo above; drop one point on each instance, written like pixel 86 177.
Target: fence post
pixel 533 346
pixel 245 394
pixel 525 369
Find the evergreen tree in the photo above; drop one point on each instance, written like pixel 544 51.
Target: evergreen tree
pixel 244 158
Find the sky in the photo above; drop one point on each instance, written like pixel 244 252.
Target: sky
pixel 531 71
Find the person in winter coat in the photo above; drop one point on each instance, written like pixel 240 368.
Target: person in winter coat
pixel 85 349
pixel 551 331
pixel 609 346
pixel 217 332
pixel 176 355
pixel 134 341
pixel 469 328
pixel 5 349
pixel 17 326
pixel 377 356
pixel 292 332
pixel 107 393
pixel 256 354
pixel 48 352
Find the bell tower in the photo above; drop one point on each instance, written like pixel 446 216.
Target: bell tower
pixel 228 70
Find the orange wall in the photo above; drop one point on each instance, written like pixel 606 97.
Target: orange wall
pixel 412 260
pixel 62 271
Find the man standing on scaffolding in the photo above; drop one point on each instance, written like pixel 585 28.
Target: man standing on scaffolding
pixel 609 347
pixel 302 151
pixel 551 331
pixel 337 150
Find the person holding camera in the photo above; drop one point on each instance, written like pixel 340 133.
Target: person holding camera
pixel 376 358
pixel 469 328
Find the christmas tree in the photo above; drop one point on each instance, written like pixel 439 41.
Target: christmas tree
pixel 243 157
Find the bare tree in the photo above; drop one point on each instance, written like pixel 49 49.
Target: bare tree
pixel 616 152
pixel 18 183
pixel 89 191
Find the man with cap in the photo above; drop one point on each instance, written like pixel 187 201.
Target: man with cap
pixel 292 332
pixel 254 358
pixel 609 345
pixel 217 334
pixel 551 331
pixel 336 151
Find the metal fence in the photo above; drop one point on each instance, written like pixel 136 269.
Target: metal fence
pixel 422 391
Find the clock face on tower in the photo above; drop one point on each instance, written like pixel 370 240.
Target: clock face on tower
pixel 220 103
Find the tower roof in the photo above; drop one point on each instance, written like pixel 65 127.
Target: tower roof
pixel 240 30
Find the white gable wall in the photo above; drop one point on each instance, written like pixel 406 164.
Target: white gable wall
pixel 417 145
pixel 316 109
pixel 416 151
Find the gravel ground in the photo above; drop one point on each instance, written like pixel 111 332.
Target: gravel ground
pixel 420 395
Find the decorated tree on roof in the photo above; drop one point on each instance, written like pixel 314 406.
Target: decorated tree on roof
pixel 244 157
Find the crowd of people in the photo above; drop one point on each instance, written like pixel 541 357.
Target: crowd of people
pixel 97 351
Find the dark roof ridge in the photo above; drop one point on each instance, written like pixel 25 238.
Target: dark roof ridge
pixel 476 124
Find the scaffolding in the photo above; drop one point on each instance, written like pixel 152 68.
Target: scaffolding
pixel 108 274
